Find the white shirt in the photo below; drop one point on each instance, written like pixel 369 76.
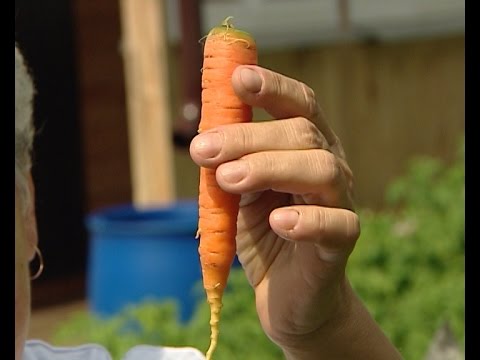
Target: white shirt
pixel 40 350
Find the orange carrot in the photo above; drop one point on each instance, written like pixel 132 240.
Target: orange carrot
pixel 225 49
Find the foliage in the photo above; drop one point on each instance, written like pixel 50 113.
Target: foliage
pixel 408 267
pixel 156 323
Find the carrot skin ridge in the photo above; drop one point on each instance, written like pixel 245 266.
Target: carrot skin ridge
pixel 225 48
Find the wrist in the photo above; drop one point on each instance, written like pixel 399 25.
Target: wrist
pixel 350 333
pixel 312 346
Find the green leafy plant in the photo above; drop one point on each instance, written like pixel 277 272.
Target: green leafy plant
pixel 408 267
pixel 155 323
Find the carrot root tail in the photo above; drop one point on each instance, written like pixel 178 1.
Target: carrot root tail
pixel 215 301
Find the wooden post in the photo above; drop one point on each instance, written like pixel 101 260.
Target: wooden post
pixel 144 48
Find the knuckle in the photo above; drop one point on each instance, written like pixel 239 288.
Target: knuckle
pixel 237 139
pixel 275 82
pixel 332 170
pixel 319 222
pixel 244 135
pixel 308 133
pixel 262 172
pixel 353 226
pixel 336 147
pixel 310 101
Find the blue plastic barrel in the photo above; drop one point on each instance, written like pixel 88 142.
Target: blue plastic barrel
pixel 143 254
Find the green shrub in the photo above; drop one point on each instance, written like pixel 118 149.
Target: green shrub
pixel 156 323
pixel 408 267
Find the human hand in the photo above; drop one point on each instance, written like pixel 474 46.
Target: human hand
pixel 296 227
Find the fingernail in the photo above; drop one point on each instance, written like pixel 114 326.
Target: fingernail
pixel 234 172
pixel 286 219
pixel 208 145
pixel 251 80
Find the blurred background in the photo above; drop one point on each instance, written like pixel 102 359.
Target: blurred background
pixel 388 74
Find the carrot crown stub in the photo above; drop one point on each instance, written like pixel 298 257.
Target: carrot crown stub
pixel 228 30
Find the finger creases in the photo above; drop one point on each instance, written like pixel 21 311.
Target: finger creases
pixel 302 172
pixel 282 97
pixel 278 94
pixel 231 142
pixel 334 231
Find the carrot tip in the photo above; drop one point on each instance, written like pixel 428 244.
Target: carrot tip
pixel 215 308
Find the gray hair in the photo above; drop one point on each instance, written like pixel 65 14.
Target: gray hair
pixel 24 128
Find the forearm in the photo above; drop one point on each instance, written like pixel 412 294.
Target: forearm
pixel 355 336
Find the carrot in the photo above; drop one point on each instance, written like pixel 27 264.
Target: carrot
pixel 225 48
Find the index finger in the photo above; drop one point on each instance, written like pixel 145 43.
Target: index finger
pixel 282 97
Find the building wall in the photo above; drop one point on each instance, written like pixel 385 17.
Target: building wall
pixel 386 101
pixel 102 98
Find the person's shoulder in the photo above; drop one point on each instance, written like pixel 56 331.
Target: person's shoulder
pixel 40 350
pixel 150 352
